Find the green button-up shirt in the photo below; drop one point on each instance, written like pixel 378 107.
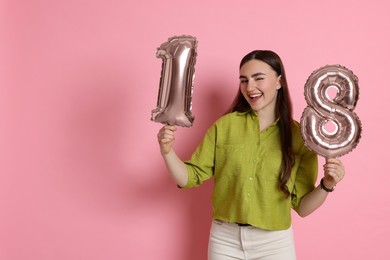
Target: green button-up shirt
pixel 245 164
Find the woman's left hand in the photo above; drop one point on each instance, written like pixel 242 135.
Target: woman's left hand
pixel 333 172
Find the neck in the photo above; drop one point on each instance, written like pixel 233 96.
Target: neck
pixel 265 119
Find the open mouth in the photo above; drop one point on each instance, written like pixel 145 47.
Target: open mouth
pixel 255 96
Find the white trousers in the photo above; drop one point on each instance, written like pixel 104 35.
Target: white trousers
pixel 230 241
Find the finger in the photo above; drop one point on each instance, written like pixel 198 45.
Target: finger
pixel 170 127
pixel 335 162
pixel 336 176
pixel 331 167
pixel 338 166
pixel 166 129
pixel 166 139
pixel 334 170
pixel 167 134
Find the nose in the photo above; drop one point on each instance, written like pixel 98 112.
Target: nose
pixel 251 85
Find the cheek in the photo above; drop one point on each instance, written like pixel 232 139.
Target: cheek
pixel 242 89
pixel 271 89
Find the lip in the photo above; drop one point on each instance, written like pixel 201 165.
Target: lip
pixel 254 97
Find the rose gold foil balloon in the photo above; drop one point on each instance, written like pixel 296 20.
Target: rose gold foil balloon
pixel 174 102
pixel 323 110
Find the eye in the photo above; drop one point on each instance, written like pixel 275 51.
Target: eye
pixel 257 79
pixel 243 81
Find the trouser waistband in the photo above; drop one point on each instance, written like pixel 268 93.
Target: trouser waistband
pixel 234 223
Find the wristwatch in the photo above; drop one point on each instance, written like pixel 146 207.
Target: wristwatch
pixel 326 188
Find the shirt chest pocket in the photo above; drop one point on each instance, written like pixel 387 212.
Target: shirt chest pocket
pixel 230 159
pixel 268 167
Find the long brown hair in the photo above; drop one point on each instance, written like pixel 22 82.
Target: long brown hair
pixel 283 110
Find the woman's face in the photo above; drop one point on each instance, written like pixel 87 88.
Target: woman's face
pixel 259 84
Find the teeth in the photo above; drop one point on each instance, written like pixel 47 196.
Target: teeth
pixel 255 95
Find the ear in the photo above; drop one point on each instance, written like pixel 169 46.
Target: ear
pixel 279 82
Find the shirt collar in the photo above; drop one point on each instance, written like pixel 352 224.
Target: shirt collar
pixel 253 114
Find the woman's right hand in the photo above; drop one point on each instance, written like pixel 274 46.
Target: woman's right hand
pixel 166 138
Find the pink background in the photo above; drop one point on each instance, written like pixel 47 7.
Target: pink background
pixel 81 173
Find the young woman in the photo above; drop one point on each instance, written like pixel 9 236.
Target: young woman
pixel 260 165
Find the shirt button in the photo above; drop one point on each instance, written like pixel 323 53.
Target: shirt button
pixel 248 194
pixel 251 179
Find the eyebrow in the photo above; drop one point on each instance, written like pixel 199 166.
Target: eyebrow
pixel 253 75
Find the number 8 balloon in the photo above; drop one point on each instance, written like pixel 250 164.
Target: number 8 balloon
pixel 323 110
pixel 174 102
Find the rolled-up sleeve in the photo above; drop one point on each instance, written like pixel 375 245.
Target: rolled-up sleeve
pixel 306 177
pixel 200 167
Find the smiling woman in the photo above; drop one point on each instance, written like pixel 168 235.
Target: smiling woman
pixel 266 172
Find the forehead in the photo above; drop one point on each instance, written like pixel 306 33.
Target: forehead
pixel 255 66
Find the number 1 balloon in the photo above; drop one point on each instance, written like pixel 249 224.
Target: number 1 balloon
pixel 322 109
pixel 174 103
